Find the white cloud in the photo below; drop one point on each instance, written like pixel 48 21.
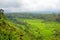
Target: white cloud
pixel 32 5
pixel 40 4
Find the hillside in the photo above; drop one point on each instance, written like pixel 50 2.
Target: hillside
pixel 7 30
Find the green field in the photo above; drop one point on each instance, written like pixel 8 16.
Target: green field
pixel 37 26
pixel 47 30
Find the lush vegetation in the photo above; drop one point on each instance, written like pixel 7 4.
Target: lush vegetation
pixel 28 26
pixel 7 30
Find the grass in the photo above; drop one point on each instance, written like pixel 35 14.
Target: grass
pixel 46 28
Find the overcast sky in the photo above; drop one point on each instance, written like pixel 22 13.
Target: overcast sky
pixel 30 5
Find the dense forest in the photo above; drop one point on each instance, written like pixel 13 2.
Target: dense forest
pixel 29 26
pixel 45 17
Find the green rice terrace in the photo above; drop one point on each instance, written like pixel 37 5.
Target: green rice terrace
pixel 23 26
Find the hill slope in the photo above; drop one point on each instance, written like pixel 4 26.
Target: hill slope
pixel 7 30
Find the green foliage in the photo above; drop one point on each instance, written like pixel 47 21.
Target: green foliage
pixel 7 31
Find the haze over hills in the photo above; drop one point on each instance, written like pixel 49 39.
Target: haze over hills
pixel 38 12
pixel 43 11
